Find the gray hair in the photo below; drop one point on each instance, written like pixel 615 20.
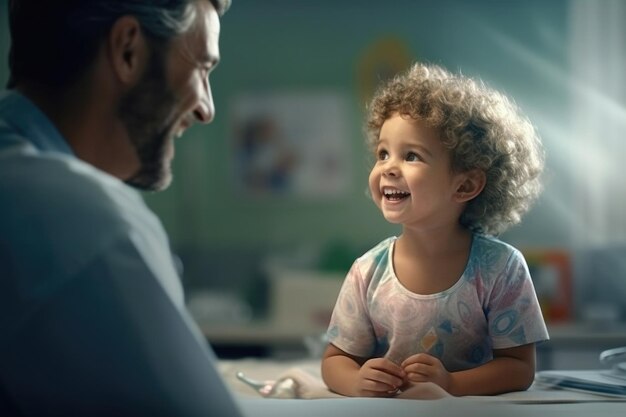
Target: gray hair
pixel 74 28
pixel 162 19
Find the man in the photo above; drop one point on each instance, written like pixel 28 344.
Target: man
pixel 92 318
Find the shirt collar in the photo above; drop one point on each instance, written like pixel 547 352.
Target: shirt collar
pixel 26 118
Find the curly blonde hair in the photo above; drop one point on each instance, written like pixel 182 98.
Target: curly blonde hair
pixel 482 129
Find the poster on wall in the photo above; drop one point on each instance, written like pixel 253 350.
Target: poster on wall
pixel 293 144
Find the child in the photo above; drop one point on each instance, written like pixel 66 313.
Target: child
pixel 445 303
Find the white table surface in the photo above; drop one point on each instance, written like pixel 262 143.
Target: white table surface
pixel 534 402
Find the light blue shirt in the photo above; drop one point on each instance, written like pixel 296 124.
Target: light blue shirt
pixel 491 306
pixel 92 316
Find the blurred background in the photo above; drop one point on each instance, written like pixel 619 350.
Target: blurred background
pixel 268 207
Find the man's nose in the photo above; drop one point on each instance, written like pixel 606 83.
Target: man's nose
pixel 205 110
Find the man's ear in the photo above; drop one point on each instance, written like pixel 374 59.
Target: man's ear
pixel 471 185
pixel 127 49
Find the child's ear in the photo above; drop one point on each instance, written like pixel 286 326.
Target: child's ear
pixel 472 185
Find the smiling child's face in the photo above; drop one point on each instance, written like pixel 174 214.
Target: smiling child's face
pixel 412 181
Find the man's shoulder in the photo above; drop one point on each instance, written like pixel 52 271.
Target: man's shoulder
pixel 63 214
pixel 58 202
pixel 61 185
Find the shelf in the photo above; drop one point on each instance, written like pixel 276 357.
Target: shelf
pixel 570 335
pixel 586 335
pixel 258 333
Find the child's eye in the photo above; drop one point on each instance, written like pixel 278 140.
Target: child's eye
pixel 382 155
pixel 412 157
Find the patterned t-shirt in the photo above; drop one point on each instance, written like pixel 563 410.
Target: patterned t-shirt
pixel 492 306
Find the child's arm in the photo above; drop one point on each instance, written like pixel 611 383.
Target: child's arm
pixel 511 369
pixel 357 377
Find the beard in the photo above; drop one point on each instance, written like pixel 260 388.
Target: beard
pixel 146 111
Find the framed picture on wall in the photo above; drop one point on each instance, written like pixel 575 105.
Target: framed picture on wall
pixel 291 144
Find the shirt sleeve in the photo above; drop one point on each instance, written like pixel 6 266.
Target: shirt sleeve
pixel 514 314
pixel 350 328
pixel 112 341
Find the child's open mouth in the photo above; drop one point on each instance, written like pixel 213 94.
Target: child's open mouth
pixel 393 194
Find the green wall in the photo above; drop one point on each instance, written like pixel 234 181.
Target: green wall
pixel 309 46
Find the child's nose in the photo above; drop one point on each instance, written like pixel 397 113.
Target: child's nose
pixel 391 169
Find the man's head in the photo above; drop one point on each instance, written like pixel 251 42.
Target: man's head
pixel 56 43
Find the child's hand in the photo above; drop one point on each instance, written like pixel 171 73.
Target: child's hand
pixel 423 367
pixel 423 391
pixel 379 377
